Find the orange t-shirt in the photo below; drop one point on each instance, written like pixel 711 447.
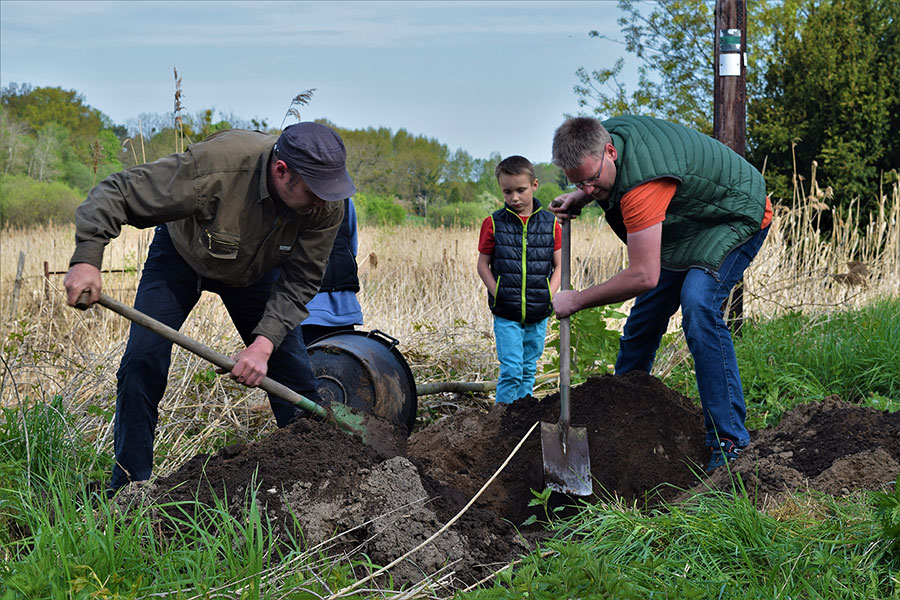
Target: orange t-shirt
pixel 645 205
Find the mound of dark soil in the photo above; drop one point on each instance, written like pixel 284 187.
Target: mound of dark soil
pixel 646 446
pixel 831 447
pixel 643 439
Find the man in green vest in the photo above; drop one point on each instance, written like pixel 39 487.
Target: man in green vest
pixel 693 214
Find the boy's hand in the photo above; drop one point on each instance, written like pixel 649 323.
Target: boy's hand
pixel 568 206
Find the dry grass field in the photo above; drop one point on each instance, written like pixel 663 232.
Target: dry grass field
pixel 419 285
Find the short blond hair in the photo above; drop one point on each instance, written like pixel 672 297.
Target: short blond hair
pixel 576 139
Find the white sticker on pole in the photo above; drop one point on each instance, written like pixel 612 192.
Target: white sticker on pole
pixel 730 65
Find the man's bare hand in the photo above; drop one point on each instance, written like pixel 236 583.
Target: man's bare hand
pixel 252 364
pixel 566 303
pixel 82 277
pixel 568 206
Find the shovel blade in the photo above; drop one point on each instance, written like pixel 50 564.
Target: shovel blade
pixel 567 460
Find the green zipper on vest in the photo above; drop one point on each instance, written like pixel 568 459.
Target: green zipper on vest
pixel 524 256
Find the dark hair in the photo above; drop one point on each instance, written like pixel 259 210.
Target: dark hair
pixel 515 165
pixel 576 139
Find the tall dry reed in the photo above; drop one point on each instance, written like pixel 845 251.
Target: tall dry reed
pixel 418 285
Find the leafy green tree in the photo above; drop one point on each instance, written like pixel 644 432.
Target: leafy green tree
pixel 550 173
pixel 483 175
pixel 50 133
pixel 546 192
pixel 457 185
pixel 201 126
pixel 14 142
pixel 833 96
pixel 45 161
pixel 370 158
pixel 419 164
pixel 821 84
pixel 110 147
pixel 674 43
pixel 52 106
pixel 459 167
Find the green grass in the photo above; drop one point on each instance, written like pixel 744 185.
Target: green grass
pixel 799 358
pixel 60 540
pixel 717 546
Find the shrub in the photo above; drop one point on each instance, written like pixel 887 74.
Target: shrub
pixel 25 201
pixel 546 192
pixel 456 214
pixel 373 209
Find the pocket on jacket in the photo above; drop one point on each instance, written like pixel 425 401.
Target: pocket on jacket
pixel 221 244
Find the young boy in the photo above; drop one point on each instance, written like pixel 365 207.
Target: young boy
pixel 518 261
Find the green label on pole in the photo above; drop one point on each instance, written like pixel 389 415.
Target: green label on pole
pixel 730 40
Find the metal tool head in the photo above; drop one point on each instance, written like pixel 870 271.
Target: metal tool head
pixel 567 460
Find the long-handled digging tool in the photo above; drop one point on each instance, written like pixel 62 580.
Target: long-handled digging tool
pixel 372 430
pixel 567 460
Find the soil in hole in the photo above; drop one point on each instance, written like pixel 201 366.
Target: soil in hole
pixel 646 446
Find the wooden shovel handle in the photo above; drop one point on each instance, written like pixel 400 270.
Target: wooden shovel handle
pixel 220 360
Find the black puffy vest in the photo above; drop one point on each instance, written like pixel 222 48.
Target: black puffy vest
pixel 341 271
pixel 522 249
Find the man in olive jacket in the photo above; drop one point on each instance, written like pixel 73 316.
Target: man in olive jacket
pixel 249 216
pixel 693 214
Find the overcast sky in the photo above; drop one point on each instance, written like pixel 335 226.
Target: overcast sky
pixel 482 76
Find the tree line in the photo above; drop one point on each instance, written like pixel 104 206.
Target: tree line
pixel 54 148
pixel 822 89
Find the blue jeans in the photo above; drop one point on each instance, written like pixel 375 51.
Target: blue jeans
pixel 519 346
pixel 168 290
pixel 701 294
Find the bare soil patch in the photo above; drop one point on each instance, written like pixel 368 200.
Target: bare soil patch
pixel 646 446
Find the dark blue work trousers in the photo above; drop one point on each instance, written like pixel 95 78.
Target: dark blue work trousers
pixel 168 290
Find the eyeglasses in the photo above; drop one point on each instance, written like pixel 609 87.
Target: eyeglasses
pixel 591 181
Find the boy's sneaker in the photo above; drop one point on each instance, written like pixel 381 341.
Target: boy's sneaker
pixel 723 454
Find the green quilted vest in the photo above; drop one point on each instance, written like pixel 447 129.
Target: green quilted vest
pixel 720 201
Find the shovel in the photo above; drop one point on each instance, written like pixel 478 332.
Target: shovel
pixel 360 424
pixel 567 460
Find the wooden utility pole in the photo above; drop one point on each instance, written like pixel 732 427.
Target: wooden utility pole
pixel 730 103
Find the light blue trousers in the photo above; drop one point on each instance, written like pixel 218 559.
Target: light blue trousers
pixel 519 346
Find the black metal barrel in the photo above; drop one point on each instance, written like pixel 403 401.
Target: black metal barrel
pixel 366 371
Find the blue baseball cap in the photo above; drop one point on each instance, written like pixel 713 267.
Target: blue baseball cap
pixel 317 153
